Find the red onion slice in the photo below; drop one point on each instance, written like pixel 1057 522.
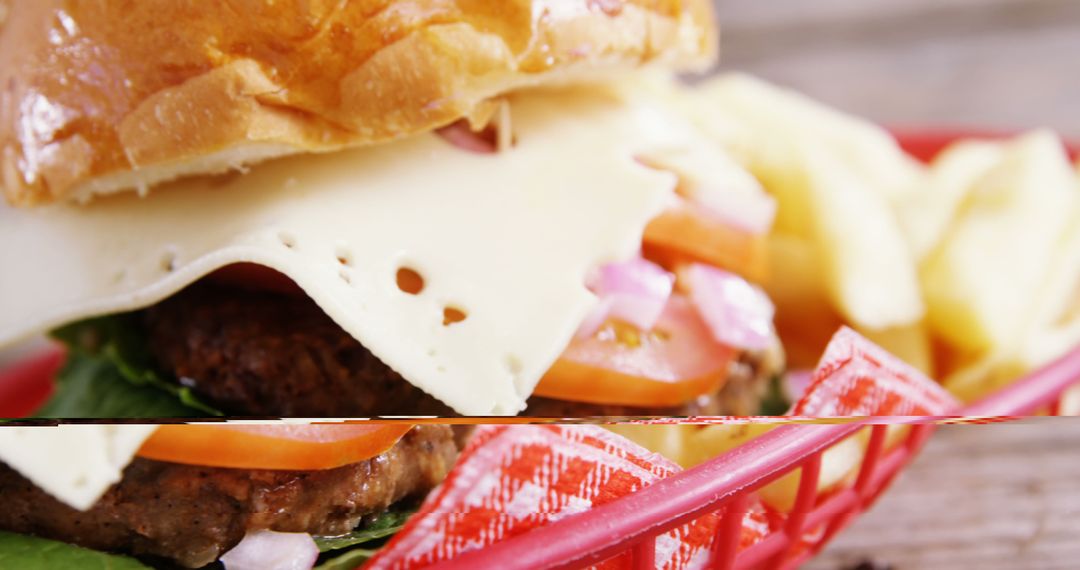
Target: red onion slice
pixel 739 314
pixel 634 291
pixel 269 550
pixel 462 136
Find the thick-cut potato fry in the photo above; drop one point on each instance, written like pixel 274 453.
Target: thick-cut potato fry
pixel 989 224
pixel 925 213
pixel 690 445
pixel 834 178
pixel 984 281
pixel 667 440
pixel 911 343
pixel 710 441
pixel 997 369
pixel 1056 312
pixel 981 376
pixel 1052 328
pixel 772 115
pixel 806 320
pixel 869 271
pixel 839 464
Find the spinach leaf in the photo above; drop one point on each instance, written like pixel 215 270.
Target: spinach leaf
pixel 350 560
pixel 90 387
pixel 775 402
pixel 387 524
pixel 30 553
pixel 111 374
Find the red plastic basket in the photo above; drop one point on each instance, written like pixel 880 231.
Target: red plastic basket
pixel 725 484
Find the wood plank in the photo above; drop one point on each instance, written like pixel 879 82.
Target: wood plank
pixel 992 497
pixel 1000 64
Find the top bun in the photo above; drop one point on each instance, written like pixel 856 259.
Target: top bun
pixel 99 97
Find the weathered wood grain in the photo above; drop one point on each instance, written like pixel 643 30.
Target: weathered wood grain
pixel 1008 64
pixel 992 497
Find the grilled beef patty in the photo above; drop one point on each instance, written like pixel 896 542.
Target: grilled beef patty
pixel 271 354
pixel 193 514
pixel 259 353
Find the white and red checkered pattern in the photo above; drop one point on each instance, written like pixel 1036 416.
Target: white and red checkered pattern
pixel 513 478
pixel 859 378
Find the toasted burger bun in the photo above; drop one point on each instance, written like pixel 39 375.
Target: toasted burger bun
pixel 107 96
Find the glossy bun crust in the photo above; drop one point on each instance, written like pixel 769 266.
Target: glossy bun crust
pixel 107 95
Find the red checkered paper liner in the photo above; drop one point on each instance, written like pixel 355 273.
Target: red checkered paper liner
pixel 859 378
pixel 513 478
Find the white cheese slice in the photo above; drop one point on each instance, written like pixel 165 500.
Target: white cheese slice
pixel 508 239
pixel 76 463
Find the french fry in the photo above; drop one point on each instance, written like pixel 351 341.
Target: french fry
pixel 870 274
pixel 834 178
pixel 669 440
pixel 926 213
pixel 991 227
pixel 983 282
pixel 709 441
pixel 839 464
pixel 771 115
pixel 983 374
pixel 995 370
pixel 910 342
pixel 1052 329
pixel 690 445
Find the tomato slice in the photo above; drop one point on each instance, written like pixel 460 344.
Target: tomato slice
pixel 301 447
pixel 670 365
pixel 687 233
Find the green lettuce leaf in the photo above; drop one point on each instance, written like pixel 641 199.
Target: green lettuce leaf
pixel 387 524
pixel 775 402
pixel 345 552
pixel 350 560
pixel 93 387
pixel 30 553
pixel 349 551
pixel 111 373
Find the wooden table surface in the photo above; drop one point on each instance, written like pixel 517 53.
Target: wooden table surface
pixel 993 496
pixel 992 63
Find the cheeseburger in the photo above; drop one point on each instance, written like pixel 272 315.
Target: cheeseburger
pixel 254 496
pixel 352 209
